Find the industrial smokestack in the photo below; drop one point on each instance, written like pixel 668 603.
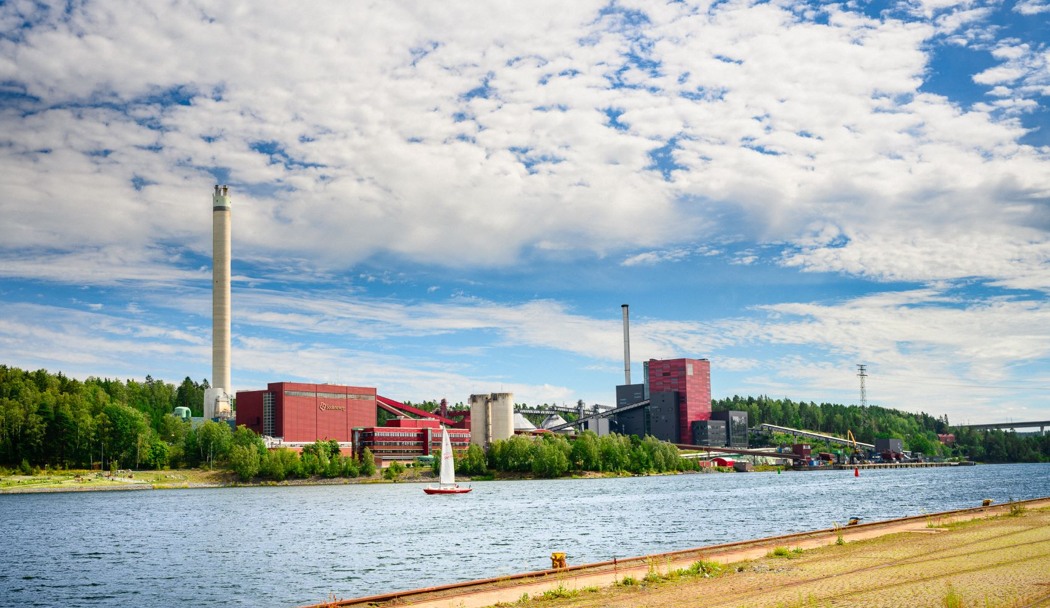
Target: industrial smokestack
pixel 626 347
pixel 217 398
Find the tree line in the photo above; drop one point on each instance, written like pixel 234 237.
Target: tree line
pixel 552 455
pixel 51 419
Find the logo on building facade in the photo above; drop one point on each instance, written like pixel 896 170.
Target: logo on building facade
pixel 327 407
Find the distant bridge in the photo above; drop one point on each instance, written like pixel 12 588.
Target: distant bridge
pixel 1013 426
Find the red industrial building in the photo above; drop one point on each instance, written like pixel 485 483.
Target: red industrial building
pixel 307 412
pixel 407 438
pixel 300 413
pixel 691 380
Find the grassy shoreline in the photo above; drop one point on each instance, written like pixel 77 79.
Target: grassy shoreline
pixel 95 481
pixel 73 480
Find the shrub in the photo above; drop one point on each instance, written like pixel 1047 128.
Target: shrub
pixel 394 471
pixel 952 598
pixel 351 467
pixel 559 592
pixel 704 568
pixel 368 463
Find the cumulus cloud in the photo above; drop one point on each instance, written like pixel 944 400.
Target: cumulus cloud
pixel 1032 7
pixel 415 131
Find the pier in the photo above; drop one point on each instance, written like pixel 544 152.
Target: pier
pixel 902 465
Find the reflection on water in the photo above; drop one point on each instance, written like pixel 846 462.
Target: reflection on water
pixel 281 546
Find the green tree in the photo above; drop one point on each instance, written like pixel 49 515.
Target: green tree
pixel 615 452
pixel 124 432
pixel 474 461
pixel 245 461
pixel 214 440
pixel 549 458
pixel 191 395
pixel 280 464
pixel 586 453
pixel 157 454
pixel 368 463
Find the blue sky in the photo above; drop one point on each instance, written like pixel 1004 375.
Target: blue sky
pixel 445 199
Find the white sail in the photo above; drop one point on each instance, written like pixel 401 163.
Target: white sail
pixel 448 461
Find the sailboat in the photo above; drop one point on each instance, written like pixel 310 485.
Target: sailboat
pixel 448 483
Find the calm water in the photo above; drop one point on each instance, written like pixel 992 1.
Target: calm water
pixel 295 545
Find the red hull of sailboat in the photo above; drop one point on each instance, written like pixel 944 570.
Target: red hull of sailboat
pixel 447 490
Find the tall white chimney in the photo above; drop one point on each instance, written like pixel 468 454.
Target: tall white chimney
pixel 217 398
pixel 626 347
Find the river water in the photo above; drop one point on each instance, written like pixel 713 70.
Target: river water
pixel 285 546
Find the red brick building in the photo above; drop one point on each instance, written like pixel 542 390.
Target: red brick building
pixel 407 438
pixel 307 412
pixel 691 379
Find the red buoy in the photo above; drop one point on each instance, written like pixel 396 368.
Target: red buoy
pixel 856 471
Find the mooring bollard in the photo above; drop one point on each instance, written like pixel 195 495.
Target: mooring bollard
pixel 558 560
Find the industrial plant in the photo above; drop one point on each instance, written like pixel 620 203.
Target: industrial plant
pixel 672 403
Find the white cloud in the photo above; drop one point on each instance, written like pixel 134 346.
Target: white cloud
pixel 795 120
pixel 1032 7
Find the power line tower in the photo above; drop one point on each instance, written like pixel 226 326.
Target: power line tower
pixel 863 391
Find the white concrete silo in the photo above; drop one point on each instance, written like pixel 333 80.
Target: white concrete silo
pixel 491 417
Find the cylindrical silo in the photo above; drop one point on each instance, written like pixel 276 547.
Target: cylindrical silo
pixel 479 420
pixel 491 417
pixel 502 412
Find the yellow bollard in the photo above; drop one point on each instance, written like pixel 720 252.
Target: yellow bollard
pixel 987 502
pixel 558 560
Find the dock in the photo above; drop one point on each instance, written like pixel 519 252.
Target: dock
pixel 902 465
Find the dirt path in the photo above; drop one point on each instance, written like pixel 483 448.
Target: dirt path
pixel 980 557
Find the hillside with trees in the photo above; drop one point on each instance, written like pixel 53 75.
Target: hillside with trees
pixel 917 431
